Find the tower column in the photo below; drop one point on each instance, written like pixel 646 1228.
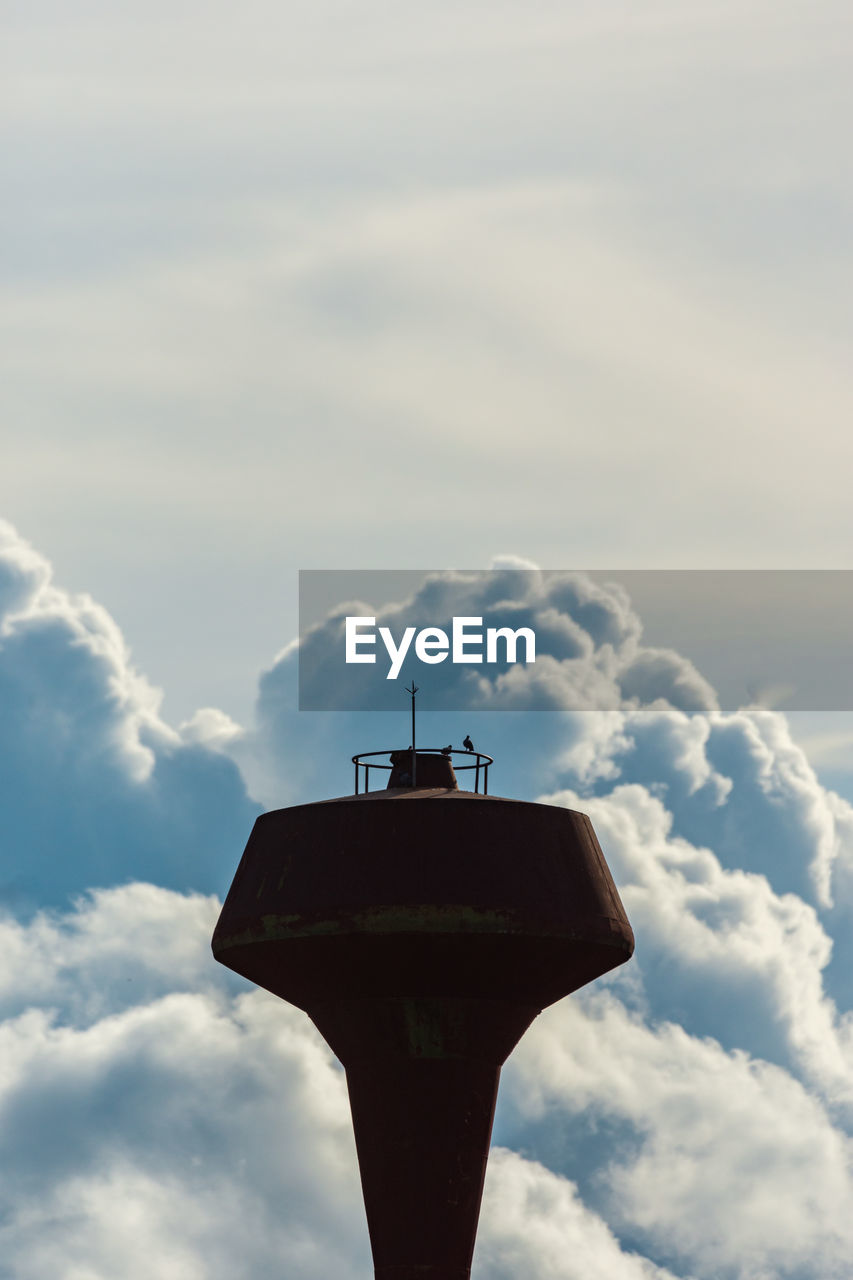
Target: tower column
pixel 423 1079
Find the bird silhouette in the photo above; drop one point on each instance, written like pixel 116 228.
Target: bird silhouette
pixel 445 751
pixel 467 743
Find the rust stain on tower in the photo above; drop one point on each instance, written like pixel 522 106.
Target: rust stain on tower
pixel 422 928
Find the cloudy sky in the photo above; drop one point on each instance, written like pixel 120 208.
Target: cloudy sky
pixel 396 286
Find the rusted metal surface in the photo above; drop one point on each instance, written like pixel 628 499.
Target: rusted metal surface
pixel 422 929
pixel 433 770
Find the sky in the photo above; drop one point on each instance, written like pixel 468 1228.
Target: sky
pixel 374 286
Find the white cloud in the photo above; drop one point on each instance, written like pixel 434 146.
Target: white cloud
pixel 146 1096
pixel 96 787
pixel 130 944
pixel 718 950
pixel 214 1122
pixel 143 1090
pixel 209 727
pixel 741 784
pixel 725 1165
pixel 534 1223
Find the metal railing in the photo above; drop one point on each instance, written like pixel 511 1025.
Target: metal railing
pixel 480 764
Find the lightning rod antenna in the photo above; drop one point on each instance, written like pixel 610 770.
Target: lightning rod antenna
pixel 413 691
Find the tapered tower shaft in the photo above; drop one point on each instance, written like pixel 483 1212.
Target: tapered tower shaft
pixel 423 1075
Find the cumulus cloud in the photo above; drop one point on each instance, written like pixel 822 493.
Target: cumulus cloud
pixel 160 1118
pixel 740 785
pixel 145 1091
pixel 535 1223
pixel 719 952
pixel 718 1163
pixel 96 787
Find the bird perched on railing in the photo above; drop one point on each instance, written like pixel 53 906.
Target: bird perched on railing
pixel 445 751
pixel 467 743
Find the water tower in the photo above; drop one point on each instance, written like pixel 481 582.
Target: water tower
pixel 422 928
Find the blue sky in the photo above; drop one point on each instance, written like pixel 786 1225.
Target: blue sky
pixel 383 286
